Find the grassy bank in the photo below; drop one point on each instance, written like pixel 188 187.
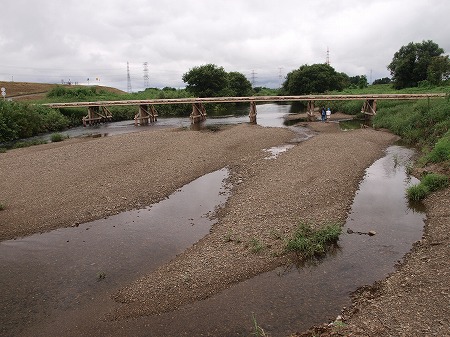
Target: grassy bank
pixel 424 124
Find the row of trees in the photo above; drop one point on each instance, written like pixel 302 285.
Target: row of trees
pixel 412 65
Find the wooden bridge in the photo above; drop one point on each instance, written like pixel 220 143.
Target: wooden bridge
pixel 147 113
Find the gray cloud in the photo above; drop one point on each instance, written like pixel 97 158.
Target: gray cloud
pixel 51 40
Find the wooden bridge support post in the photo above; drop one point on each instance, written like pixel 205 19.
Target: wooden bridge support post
pixel 153 114
pixel 142 117
pixel 146 114
pixel 252 113
pixel 369 107
pixel 198 113
pixel 310 110
pixel 96 116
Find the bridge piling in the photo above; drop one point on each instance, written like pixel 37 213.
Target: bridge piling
pixel 252 113
pixel 97 114
pixel 198 113
pixel 310 110
pixel 369 107
pixel 147 114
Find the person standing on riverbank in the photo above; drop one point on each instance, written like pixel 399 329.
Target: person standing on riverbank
pixel 323 114
pixel 328 113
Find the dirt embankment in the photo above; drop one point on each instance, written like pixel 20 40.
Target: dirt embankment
pixel 26 91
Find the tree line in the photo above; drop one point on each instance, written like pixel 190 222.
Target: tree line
pixel 416 64
pixel 413 65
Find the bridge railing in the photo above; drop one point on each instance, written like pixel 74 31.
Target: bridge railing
pixel 193 100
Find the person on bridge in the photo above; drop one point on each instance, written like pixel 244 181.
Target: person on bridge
pixel 323 114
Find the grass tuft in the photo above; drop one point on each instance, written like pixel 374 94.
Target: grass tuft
pixel 429 183
pixel 309 243
pixel 256 246
pixel 57 137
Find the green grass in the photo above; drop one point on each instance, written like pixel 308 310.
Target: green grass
pixel 429 183
pixel 440 152
pixel 417 192
pixel 308 242
pixel 256 246
pixel 27 143
pixel 435 182
pixel 2 206
pixel 257 330
pixel 57 137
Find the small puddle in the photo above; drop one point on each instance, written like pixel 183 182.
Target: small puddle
pixel 351 124
pixel 277 150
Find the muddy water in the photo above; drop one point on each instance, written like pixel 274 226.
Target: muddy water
pixel 62 271
pixel 56 283
pixel 290 299
pixel 269 114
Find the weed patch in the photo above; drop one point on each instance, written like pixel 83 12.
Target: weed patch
pixel 57 137
pixel 308 242
pixel 256 246
pixel 429 183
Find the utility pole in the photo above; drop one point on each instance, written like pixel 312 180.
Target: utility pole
pixel 328 56
pixel 145 75
pixel 128 79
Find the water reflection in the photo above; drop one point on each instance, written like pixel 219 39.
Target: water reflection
pixel 61 270
pixel 61 289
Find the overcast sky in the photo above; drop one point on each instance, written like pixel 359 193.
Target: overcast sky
pixel 56 40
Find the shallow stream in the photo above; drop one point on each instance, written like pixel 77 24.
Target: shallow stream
pixel 59 282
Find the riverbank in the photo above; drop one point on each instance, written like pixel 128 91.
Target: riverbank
pixel 414 300
pixel 64 184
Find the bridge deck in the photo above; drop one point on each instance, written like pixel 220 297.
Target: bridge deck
pixel 249 99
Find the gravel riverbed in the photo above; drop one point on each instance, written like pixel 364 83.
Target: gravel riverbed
pixel 64 184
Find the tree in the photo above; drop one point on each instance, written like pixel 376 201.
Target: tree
pixel 438 70
pixel 238 84
pixel 359 81
pixel 384 80
pixel 316 78
pixel 410 64
pixel 206 81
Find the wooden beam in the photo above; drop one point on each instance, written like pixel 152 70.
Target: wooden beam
pixel 198 113
pixel 252 113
